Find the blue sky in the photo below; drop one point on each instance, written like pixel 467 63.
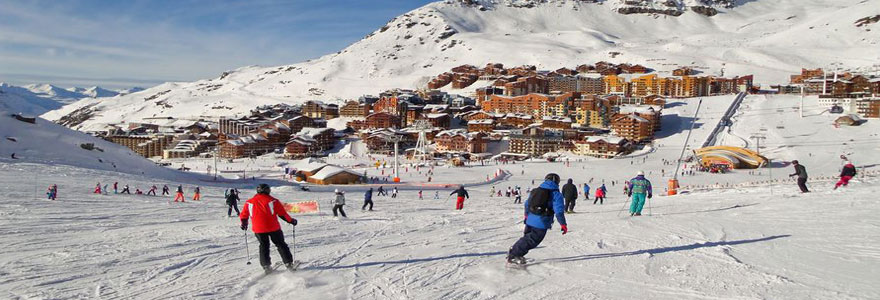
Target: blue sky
pixel 141 43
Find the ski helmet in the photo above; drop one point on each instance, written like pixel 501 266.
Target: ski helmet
pixel 794 162
pixel 642 173
pixel 263 189
pixel 552 177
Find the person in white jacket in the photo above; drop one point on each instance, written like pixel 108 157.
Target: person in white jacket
pixel 339 203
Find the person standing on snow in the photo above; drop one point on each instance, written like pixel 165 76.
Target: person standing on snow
pixel 116 187
pixel 436 195
pixel 638 188
pixel 518 196
pixel 420 195
pixel 125 190
pixel 98 188
pixel 492 192
pixel 152 190
pixel 394 193
pixel 848 172
pixel 461 195
pixel 543 204
pixel 263 211
pixel 801 172
pixel 179 197
pixel 165 190
pixel 198 194
pixel 600 196
pixel 586 191
pixel 381 192
pixel 232 201
pixel 338 203
pixel 569 193
pixel 368 199
pixel 105 189
pixel 52 192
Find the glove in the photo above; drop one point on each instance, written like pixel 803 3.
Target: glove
pixel 649 196
pixel 564 229
pixel 244 225
pixel 629 194
pixel 525 218
pixel 293 222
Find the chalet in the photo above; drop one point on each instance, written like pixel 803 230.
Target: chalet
pixel 382 120
pixel 551 122
pixel 458 140
pixel 535 141
pixel 318 109
pixel 331 174
pixel 632 127
pixel 602 146
pixel 485 125
pixel 354 109
pixel 442 120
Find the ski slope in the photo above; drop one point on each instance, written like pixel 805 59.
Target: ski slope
pixel 718 244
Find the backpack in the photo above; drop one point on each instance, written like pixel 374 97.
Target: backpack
pixel 541 202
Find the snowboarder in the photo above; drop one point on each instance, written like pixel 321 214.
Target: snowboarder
pixel 569 193
pixel 368 199
pixel 179 197
pixel 98 188
pixel 232 201
pixel 381 192
pixel 264 211
pixel 600 196
pixel 198 194
pixel 394 193
pixel 461 195
pixel 165 190
pixel 638 188
pixel 116 187
pixel 338 203
pixel 848 172
pixel 52 192
pixel 801 173
pixel 543 204
pixel 586 191
pixel 152 190
pixel 125 190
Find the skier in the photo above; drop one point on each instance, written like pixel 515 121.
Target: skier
pixel 152 190
pixel 600 196
pixel 848 172
pixel 105 189
pixel 801 173
pixel 461 195
pixel 381 192
pixel 508 192
pixel 98 188
pixel 264 211
pixel 198 194
pixel 569 193
pixel 368 199
pixel 420 195
pixel 394 193
pixel 543 203
pixel 137 191
pixel 637 188
pixel 436 195
pixel 492 192
pixel 232 201
pixel 518 198
pixel 125 190
pixel 116 187
pixel 165 190
pixel 52 192
pixel 338 203
pixel 604 190
pixel 586 191
pixel 179 197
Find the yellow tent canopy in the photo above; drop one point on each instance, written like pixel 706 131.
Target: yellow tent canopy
pixel 734 157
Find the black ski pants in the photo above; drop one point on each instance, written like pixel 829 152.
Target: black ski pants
pixel 338 208
pixel 600 199
pixel 277 238
pixel 231 207
pixel 367 202
pixel 802 184
pixel 532 237
pixel 569 204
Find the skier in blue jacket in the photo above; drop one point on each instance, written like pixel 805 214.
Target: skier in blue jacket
pixel 368 199
pixel 543 204
pixel 586 191
pixel 638 188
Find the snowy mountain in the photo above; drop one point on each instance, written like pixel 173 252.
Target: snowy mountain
pixel 44 142
pixel 37 99
pixel 771 39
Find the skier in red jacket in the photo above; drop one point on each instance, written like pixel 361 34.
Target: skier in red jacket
pixel 264 210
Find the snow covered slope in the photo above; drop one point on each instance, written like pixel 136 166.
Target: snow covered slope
pixel 52 144
pixel 724 244
pixel 771 39
pixel 37 99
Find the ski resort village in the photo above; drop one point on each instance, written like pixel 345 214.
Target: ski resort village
pixel 465 149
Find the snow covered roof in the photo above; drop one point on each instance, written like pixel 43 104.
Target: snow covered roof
pixel 310 164
pixel 437 115
pixel 558 119
pixel 235 142
pixel 610 139
pixel 627 109
pixel 330 171
pixel 482 121
pixel 312 132
pixel 635 117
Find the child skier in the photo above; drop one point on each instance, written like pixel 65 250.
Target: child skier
pixel 264 211
pixel 125 190
pixel 600 196
pixel 543 204
pixel 198 195
pixel 52 192
pixel 116 187
pixel 461 195
pixel 152 190
pixel 165 190
pixel 232 202
pixel 394 193
pixel 420 195
pixel 586 191
pixel 338 203
pixel 848 172
pixel 98 188
pixel 179 197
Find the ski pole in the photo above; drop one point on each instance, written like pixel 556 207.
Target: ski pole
pixel 294 241
pixel 248 250
pixel 649 206
pixel 621 208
